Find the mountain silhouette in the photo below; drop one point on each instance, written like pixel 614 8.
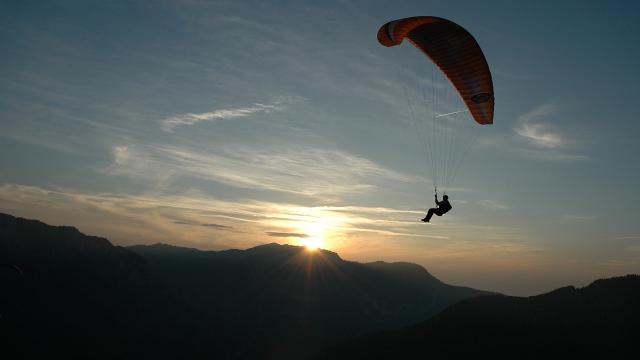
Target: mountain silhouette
pixel 598 321
pixel 77 293
pixel 312 297
pixel 81 296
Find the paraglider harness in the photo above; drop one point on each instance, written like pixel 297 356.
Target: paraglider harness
pixel 443 206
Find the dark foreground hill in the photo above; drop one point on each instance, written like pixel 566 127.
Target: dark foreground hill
pixel 80 296
pixel 598 321
pixel 288 299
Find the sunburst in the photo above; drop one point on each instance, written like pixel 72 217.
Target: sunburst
pixel 315 231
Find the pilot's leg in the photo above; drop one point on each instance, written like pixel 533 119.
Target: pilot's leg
pixel 429 214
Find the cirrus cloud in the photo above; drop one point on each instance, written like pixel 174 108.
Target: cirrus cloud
pixel 543 139
pixel 279 104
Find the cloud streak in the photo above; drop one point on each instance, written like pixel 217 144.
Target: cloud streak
pixel 170 123
pixel 296 169
pixel 540 135
pixel 215 226
pixel 286 234
pixel 537 133
pixel 554 156
pixel 543 140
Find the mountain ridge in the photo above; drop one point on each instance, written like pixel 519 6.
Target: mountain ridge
pixel 270 301
pixel 280 302
pixel 592 321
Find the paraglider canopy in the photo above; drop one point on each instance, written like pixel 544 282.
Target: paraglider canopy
pixel 455 52
pixel 446 137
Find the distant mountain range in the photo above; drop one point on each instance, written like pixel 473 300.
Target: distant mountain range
pixel 82 296
pixel 598 321
pixel 78 296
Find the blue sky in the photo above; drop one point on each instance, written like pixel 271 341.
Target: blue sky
pixel 227 124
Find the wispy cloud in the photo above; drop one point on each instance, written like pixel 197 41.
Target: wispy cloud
pixel 540 135
pixel 286 234
pixel 215 226
pixel 297 169
pixel 542 138
pixel 170 123
pixel 137 163
pixel 555 156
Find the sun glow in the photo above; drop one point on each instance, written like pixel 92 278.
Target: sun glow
pixel 315 231
pixel 312 243
pixel 311 227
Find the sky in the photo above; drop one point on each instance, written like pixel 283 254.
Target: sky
pixel 230 124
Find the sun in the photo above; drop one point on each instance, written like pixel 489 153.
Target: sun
pixel 314 231
pixel 312 243
pixel 312 227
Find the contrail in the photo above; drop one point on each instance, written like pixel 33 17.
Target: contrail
pixel 452 113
